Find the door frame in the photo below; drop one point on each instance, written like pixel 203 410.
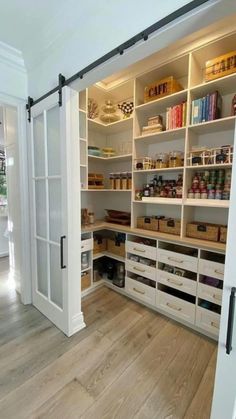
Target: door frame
pixel 25 280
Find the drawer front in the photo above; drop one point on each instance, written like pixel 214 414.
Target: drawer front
pixel 86 245
pixel 212 294
pixel 140 269
pixel 177 259
pixel 175 306
pixel 140 291
pixel 213 269
pixel 177 282
pixel 139 249
pixel 208 320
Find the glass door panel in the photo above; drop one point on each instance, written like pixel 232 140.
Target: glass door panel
pixel 55 210
pixel 55 276
pixel 42 264
pixel 39 146
pixel 40 208
pixel 53 141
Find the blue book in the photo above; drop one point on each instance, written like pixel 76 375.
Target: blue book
pixel 203 114
pixel 207 111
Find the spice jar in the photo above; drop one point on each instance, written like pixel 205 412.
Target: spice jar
pixel 147 163
pixel 112 180
pixel 204 193
pixel 175 159
pixel 197 194
pixel 190 194
pixel 117 181
pixel 162 160
pixel 124 181
pixel 211 194
pixel 218 194
pixel 91 217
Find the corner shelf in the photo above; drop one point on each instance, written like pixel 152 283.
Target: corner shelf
pixel 108 254
pixel 106 190
pixel 124 157
pixel 112 128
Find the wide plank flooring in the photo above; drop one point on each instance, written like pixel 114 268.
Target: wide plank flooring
pixel 128 363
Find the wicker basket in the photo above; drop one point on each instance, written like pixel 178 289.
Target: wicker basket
pixel 170 226
pixel 85 280
pixel 148 223
pixel 223 234
pixel 116 247
pixel 99 244
pixel 161 88
pixel 203 231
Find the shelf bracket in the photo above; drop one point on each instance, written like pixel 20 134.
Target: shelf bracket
pixel 61 83
pixel 29 106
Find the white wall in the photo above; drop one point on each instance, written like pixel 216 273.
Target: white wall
pixel 12 73
pixel 83 31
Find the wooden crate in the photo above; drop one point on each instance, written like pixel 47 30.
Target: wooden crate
pixel 170 226
pixel 220 66
pixel 148 223
pixel 115 247
pixel 85 280
pixel 203 231
pixel 99 244
pixel 223 234
pixel 161 88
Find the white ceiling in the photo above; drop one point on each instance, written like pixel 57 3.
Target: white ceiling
pixel 23 21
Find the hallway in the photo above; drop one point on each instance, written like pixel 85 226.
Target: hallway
pixel 120 366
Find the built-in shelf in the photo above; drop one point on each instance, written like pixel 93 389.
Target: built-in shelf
pixel 108 254
pixel 224 85
pixel 112 128
pixel 82 110
pixel 222 124
pixel 124 157
pixel 214 203
pixel 166 169
pixel 163 103
pixel 83 139
pixel 86 269
pixel 106 190
pixel 163 201
pixel 168 135
pixel 83 165
pixel 210 166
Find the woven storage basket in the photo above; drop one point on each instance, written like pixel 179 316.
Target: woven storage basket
pixel 85 280
pixel 170 226
pixel 115 247
pixel 148 223
pixel 223 234
pixel 203 231
pixel 99 245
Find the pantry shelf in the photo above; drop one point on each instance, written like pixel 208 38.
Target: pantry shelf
pixel 112 128
pixel 214 203
pixel 222 124
pixel 162 136
pixel 161 104
pixel 163 201
pixel 223 85
pixel 108 254
pixel 106 190
pixel 166 169
pixel 124 157
pixel 210 166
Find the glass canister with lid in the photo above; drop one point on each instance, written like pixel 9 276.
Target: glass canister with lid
pixel 162 160
pixel 175 159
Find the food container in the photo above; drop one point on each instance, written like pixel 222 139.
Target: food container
pixel 99 244
pixel 85 280
pixel 124 180
pixel 223 234
pixel 116 247
pixel 161 88
pixel 129 180
pixel 176 159
pixel 147 163
pixel 220 66
pixel 162 160
pixel 117 181
pixel 148 223
pixel 203 231
pixel 170 226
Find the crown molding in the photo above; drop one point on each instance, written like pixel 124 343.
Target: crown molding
pixel 12 57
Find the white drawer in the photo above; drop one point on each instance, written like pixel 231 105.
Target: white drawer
pixel 140 249
pixel 175 306
pixel 86 245
pixel 178 282
pixel 213 269
pixel 141 291
pixel 140 269
pixel 179 260
pixel 207 320
pixel 212 294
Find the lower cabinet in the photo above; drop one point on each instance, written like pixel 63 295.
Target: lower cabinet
pixel 176 306
pixel 208 320
pixel 141 291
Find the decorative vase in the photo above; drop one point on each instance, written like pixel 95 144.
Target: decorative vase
pixel 109 114
pixel 126 108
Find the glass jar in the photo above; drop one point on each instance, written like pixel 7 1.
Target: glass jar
pixel 84 261
pixel 129 180
pixel 91 217
pixel 112 180
pixel 204 193
pixel 162 160
pixel 175 159
pixel 117 181
pixel 124 180
pixel 146 191
pixel 147 163
pixel 190 194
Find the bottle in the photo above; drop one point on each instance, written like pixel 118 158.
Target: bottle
pixel 91 217
pixel 155 181
pixel 84 261
pixel 124 180
pixel 160 181
pixel 129 180
pixel 151 188
pixel 146 191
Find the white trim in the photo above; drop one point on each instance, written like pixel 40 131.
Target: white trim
pixel 12 57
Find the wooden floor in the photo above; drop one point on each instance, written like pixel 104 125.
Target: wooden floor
pixel 128 363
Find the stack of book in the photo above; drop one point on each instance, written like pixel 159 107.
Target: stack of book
pixel 154 125
pixel 206 108
pixel 176 116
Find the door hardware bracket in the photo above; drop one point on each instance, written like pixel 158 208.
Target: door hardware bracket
pixel 61 83
pixel 29 106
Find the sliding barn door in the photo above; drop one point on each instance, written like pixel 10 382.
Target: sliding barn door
pixel 56 210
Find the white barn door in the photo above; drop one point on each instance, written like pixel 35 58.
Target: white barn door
pixel 55 209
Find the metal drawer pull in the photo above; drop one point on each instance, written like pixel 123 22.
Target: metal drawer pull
pixel 219 272
pixel 175 260
pixel 140 292
pixel 139 250
pixel 82 247
pixel 214 324
pixel 138 269
pixel 173 281
pixel 174 307
pixel 217 297
pixel 230 321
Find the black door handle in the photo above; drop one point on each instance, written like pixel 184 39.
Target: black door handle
pixel 230 321
pixel 62 252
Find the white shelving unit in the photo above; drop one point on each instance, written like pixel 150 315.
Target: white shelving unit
pixel 125 136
